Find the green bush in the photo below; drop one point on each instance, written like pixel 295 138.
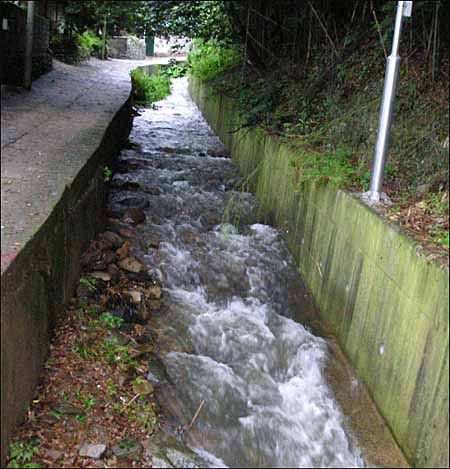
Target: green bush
pixel 175 69
pixel 212 57
pixel 149 88
pixel 89 40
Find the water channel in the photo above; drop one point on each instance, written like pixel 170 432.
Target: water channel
pixel 228 336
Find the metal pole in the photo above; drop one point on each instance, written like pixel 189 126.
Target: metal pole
pixel 387 106
pixel 29 47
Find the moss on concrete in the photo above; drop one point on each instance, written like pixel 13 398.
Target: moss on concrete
pixel 387 305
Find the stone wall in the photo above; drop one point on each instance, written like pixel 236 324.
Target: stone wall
pixel 126 48
pixel 12 45
pixel 387 304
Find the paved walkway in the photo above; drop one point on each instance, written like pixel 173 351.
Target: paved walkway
pixel 47 136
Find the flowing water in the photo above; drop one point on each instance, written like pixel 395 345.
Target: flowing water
pixel 227 335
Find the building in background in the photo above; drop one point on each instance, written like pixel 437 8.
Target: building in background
pixel 12 40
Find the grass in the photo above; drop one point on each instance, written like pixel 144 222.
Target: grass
pixel 148 89
pixel 21 454
pixel 210 58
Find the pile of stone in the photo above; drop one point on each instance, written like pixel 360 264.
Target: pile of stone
pixel 115 278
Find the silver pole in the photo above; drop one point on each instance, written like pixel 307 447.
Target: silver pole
pixel 387 106
pixel 29 46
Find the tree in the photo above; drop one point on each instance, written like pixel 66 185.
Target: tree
pixel 199 19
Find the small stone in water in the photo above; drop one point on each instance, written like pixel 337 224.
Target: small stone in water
pixel 134 216
pixel 154 293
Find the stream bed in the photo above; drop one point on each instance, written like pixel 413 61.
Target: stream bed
pixel 242 368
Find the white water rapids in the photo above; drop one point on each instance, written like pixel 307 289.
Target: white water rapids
pixel 227 333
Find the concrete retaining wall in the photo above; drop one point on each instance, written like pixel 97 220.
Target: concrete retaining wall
pixel 387 305
pixel 44 275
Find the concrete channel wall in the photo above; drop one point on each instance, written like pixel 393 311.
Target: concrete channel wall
pixel 42 278
pixel 387 304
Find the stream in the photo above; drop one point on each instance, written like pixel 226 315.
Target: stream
pixel 234 366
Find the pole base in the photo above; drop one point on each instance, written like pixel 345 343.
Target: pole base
pixel 375 198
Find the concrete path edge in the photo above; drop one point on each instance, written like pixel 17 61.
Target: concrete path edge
pixel 37 284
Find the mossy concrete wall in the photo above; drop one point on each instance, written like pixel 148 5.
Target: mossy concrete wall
pixel 387 304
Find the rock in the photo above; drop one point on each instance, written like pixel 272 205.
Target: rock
pixel 83 291
pixel 92 451
pixel 143 388
pixel 153 241
pixel 122 252
pixel 48 419
pixel 153 190
pixel 130 264
pixel 164 450
pixel 126 233
pixel 125 185
pixel 134 216
pixel 142 349
pixel 189 237
pixel 128 449
pixel 89 258
pixel 142 313
pixel 136 296
pixel 53 454
pixel 126 377
pixel 104 245
pixel 153 293
pixel 103 276
pixel 140 277
pixel 68 409
pixel 109 257
pixel 134 203
pixel 155 305
pixel 99 265
pixel 209 220
pixel 114 271
pixel 422 190
pixel 159 463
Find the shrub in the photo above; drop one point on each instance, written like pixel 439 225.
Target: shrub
pixel 89 40
pixel 149 88
pixel 212 57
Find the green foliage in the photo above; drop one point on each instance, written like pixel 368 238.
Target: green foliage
pixel 21 453
pixel 132 16
pixel 175 69
pixel 148 89
pixel 115 353
pixel 332 165
pixel 196 20
pixel 89 40
pixel 87 400
pixel 107 174
pixel 81 349
pixel 110 321
pixel 210 58
pixel 90 283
